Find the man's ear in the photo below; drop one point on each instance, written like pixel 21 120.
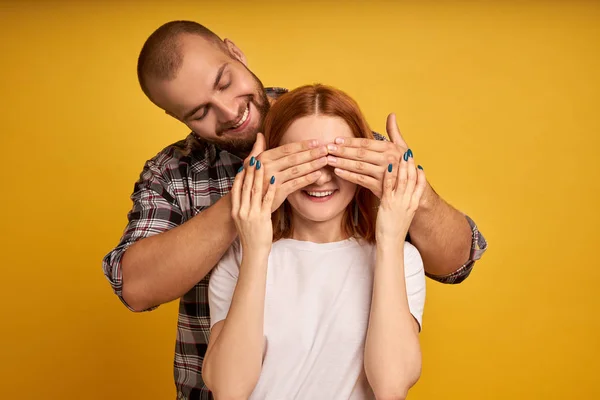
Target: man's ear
pixel 235 51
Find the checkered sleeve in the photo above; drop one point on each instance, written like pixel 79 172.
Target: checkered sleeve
pixel 478 247
pixel 155 210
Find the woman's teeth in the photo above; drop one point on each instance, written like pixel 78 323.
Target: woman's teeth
pixel 243 119
pixel 320 194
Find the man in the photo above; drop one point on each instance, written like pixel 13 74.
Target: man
pixel 180 224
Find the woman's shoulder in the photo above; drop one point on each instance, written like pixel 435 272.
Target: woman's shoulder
pixel 413 263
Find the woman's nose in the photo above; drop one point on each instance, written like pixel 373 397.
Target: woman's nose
pixel 326 175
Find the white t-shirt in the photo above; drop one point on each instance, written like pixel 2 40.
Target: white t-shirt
pixel 317 305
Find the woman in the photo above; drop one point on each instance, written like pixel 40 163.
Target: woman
pixel 322 299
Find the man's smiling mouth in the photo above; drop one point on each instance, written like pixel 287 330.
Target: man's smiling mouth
pixel 243 119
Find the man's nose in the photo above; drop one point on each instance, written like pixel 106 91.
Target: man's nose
pixel 226 110
pixel 326 175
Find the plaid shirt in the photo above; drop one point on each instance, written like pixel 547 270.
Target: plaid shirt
pixel 174 186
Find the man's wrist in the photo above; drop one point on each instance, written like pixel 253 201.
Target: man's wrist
pixel 429 200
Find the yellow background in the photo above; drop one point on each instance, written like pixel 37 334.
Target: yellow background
pixel 499 102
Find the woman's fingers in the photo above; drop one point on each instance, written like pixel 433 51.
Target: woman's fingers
pixel 257 189
pixel 247 187
pixel 402 178
pixel 236 192
pixel 269 196
pixel 388 183
pixel 411 176
pixel 420 187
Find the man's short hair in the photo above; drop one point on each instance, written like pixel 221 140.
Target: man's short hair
pixel 161 56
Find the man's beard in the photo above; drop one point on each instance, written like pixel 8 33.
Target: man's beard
pixel 241 146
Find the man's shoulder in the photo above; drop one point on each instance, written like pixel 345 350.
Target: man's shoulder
pixel 186 151
pixel 274 92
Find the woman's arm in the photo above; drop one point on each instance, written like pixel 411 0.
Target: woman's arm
pixel 392 349
pixel 233 359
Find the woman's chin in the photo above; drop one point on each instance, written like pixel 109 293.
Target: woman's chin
pixel 318 217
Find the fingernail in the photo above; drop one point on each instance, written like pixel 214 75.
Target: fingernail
pixel 389 167
pixel 332 147
pixel 410 154
pixel 313 143
pixel 421 168
pixel 405 156
pixel 241 169
pixel 252 159
pixel 273 179
pixel 331 159
pixel 258 164
pixel 339 140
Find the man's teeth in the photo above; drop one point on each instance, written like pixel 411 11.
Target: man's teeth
pixel 320 194
pixel 243 119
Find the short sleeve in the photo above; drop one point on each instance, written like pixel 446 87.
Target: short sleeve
pixel 223 280
pixel 414 274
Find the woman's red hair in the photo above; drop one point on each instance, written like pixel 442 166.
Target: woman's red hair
pixel 322 100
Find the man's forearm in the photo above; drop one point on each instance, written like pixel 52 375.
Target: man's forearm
pixel 164 267
pixel 441 234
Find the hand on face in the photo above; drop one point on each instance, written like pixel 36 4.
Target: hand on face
pixel 400 200
pixel 294 165
pixel 365 161
pixel 251 210
pixel 356 160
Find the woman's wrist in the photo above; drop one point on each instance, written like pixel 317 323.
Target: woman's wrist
pixel 256 253
pixel 391 247
pixel 391 241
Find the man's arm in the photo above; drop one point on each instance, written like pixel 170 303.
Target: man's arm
pixel 161 255
pixel 441 234
pixel 448 241
pixel 164 267
pixel 160 258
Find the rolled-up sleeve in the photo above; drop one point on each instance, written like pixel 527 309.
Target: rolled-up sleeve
pixel 154 211
pixel 478 247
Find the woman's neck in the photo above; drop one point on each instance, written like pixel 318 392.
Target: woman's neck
pixel 318 232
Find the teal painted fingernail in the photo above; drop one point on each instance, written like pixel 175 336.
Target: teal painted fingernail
pixel 410 154
pixel 252 160
pixel 405 156
pixel 258 164
pixel 273 179
pixel 421 168
pixel 389 167
pixel 240 169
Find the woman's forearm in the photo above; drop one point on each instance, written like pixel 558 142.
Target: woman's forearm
pixel 233 364
pixel 392 350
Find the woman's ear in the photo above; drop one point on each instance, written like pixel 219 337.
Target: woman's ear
pixel 235 51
